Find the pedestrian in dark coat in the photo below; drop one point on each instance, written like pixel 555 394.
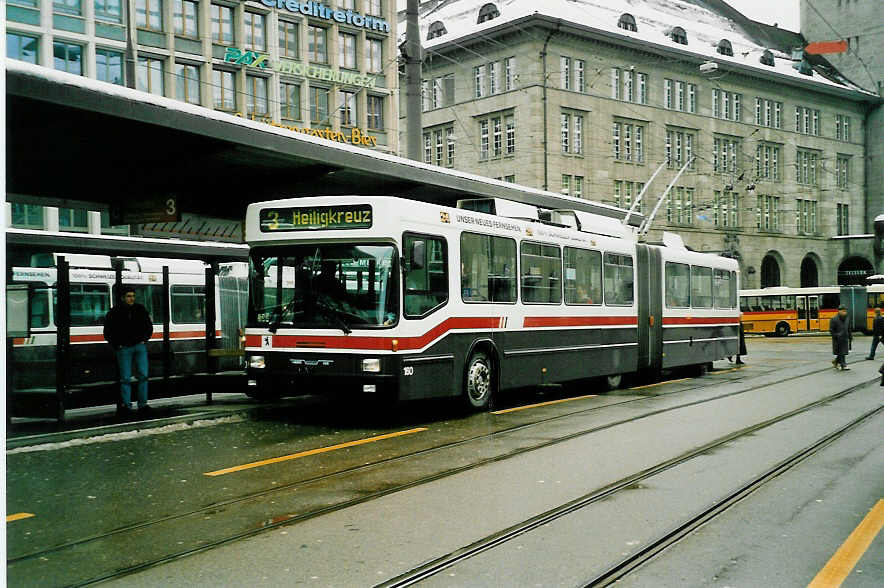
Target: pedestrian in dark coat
pixel 127 327
pixel 877 332
pixel 742 345
pixel 839 327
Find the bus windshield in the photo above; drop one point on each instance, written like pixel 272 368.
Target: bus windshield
pixel 338 286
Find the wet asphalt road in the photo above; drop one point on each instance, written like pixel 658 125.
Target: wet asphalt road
pixel 131 497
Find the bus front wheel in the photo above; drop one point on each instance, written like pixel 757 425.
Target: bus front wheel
pixel 478 381
pixel 782 329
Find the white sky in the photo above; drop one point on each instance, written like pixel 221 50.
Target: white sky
pixel 783 12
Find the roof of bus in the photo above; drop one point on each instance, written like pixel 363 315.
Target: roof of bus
pixel 422 214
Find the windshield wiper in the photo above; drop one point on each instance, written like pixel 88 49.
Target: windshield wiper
pixel 279 312
pixel 334 314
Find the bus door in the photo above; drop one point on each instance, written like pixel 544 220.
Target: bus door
pixel 813 313
pixel 803 323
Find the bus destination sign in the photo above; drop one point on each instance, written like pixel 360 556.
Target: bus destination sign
pixel 315 218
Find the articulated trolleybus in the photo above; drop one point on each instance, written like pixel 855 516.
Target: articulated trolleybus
pixel 381 295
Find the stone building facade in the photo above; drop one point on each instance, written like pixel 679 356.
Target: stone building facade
pixel 539 98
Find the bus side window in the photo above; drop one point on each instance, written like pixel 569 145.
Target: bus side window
pixel 39 306
pixel 701 287
pixel 678 285
pixel 188 304
pixel 151 297
pixel 583 276
pixel 830 301
pixel 426 274
pixel 487 268
pixel 89 304
pixel 619 280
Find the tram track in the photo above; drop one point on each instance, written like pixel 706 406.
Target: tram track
pixel 199 513
pixel 633 561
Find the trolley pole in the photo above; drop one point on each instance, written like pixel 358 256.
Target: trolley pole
pixel 63 336
pixel 413 106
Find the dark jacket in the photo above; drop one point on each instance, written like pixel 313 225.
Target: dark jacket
pixel 878 327
pixel 126 325
pixel 841 335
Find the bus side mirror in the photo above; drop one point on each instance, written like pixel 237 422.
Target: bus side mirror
pixel 417 254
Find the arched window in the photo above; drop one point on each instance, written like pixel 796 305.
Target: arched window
pixel 437 29
pixel 810 276
pixel 725 48
pixel 766 58
pixel 678 35
pixel 627 22
pixel 488 12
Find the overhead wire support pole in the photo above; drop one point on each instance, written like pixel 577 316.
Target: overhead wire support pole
pixel 637 202
pixel 646 224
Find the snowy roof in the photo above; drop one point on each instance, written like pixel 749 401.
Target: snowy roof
pixel 655 19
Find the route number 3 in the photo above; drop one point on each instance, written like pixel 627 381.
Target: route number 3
pixel 408 371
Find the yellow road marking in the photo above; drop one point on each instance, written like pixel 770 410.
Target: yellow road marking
pixel 733 369
pixel 264 462
pixel 18 516
pixel 659 383
pixel 836 571
pixel 506 410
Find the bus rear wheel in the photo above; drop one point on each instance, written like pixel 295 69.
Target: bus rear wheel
pixel 478 381
pixel 782 329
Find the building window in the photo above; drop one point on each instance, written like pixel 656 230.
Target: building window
pixel 288 39
pixel 374 55
pixel 680 206
pixel 428 148
pixel 628 142
pixel 806 166
pixel 256 96
pixel 767 162
pixel 254 26
pixel 842 127
pixel 807 121
pixel 67 7
pixel 483 139
pixel 805 221
pixel 449 142
pixel 290 100
pixel 493 83
pixel 572 133
pixel 27 216
pixel 580 75
pixel 22 47
pixel 842 170
pixel 374 7
pixel 629 85
pixel 436 29
pixel 109 66
pixel 497 136
pixel 487 12
pixel 68 57
pixel 566 184
pixel 565 71
pixel 479 81
pixel 224 89
pixel 187 82
pixel 679 35
pixel 625 191
pixel 843 219
pixel 317 46
pixel 185 18
pixel 572 185
pixel 347 108
pixel 727 105
pixel 627 23
pixel 510 134
pixel 510 179
pixel 679 148
pixel 375 112
pixel 346 50
pixel 767 213
pixel 440 146
pixel 725 209
pixel 725 155
pixel 725 48
pixel 509 73
pixel 150 75
pixel 319 105
pixel 222 24
pixel 149 14
pixel 107 10
pixel 566 133
pixel 679 95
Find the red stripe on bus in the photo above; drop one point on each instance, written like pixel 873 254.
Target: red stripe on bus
pixel 699 320
pixel 578 321
pixel 377 343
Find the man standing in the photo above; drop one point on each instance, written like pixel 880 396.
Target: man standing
pixel 127 327
pixel 841 337
pixel 877 332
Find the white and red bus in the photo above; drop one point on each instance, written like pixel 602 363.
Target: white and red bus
pixel 371 295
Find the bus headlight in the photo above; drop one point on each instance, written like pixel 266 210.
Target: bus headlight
pixel 257 362
pixel 371 365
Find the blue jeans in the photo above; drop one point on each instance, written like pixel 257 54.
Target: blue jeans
pixel 126 356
